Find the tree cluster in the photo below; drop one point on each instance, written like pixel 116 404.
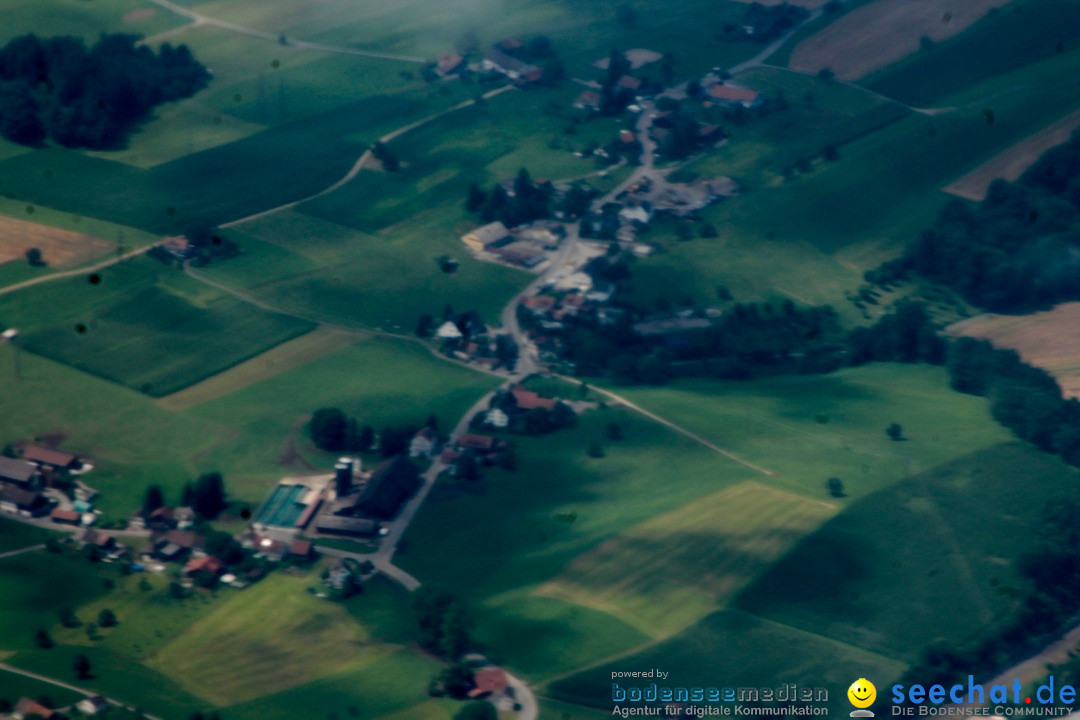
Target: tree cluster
pixel 206 496
pixel 1015 251
pixel 57 88
pixel 528 201
pixel 444 623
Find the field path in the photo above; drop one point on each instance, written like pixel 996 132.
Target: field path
pixel 200 19
pixel 4 667
pixel 20 551
pixel 366 156
pixel 77 271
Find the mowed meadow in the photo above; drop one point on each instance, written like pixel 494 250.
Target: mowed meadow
pixel 661 551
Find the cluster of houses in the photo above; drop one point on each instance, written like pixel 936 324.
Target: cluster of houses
pixel 716 90
pixel 507 58
pixel 28 709
pixel 30 486
pixel 466 337
pixel 526 246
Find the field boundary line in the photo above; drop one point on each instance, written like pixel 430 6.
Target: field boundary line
pixel 677 428
pixel 277 37
pixel 362 161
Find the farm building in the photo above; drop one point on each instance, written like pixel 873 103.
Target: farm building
pixel 338 525
pixel 424 443
pixel 392 483
pixel 449 64
pixel 15 500
pixel 27 708
pixel 292 503
pixel 484 237
pixel 19 472
pixel 588 100
pixel 66 517
pixel 47 457
pixel 732 96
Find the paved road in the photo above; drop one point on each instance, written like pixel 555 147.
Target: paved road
pixel 276 37
pixel 4 667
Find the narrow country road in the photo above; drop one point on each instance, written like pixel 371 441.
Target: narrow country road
pixel 4 667
pixel 77 271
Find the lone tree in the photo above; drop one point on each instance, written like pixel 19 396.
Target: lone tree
pixel 835 486
pixel 328 426
pixel 42 639
pixel 81 666
pixel 34 257
pixel 107 619
pixel 895 431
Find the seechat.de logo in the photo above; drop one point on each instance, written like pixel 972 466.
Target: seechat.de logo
pixel 862 694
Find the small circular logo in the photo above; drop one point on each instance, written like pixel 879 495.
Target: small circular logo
pixel 862 693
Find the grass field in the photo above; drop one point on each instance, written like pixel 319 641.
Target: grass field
pixel 1011 164
pixel 322 269
pixel 253 435
pixel 286 356
pixel 16 535
pixel 13 686
pixel 85 19
pixel 673 569
pixel 807 429
pixel 733 648
pixel 882 32
pixel 1044 339
pixel 28 597
pixel 61 248
pixel 828 610
pixel 144 325
pixel 269 638
pixel 964 524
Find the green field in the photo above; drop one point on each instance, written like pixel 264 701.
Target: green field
pixel 15 535
pixel 1034 32
pixel 673 569
pixel 833 600
pixel 144 325
pixel 85 19
pixel 253 435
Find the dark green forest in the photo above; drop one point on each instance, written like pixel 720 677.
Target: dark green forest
pixel 1017 251
pixel 59 89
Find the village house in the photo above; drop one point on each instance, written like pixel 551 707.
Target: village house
pixel 528 400
pixel 339 525
pixel 206 563
pixel 629 82
pixel 177 245
pixel 392 483
pixel 338 574
pixel 102 540
pixel 732 96
pixel 588 100
pixel 424 443
pixel 174 545
pixel 491 682
pixel 26 708
pixel 495 59
pixel 449 64
pixel 66 517
pixel 301 550
pixel 48 458
pixel 16 471
pixel 92 705
pixel 16 500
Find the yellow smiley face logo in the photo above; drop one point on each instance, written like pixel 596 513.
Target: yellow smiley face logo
pixel 862 693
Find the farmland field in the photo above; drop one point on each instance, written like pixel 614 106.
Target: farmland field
pixel 1045 339
pixel 184 331
pixel 690 559
pixel 882 32
pixel 1011 164
pixel 832 597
